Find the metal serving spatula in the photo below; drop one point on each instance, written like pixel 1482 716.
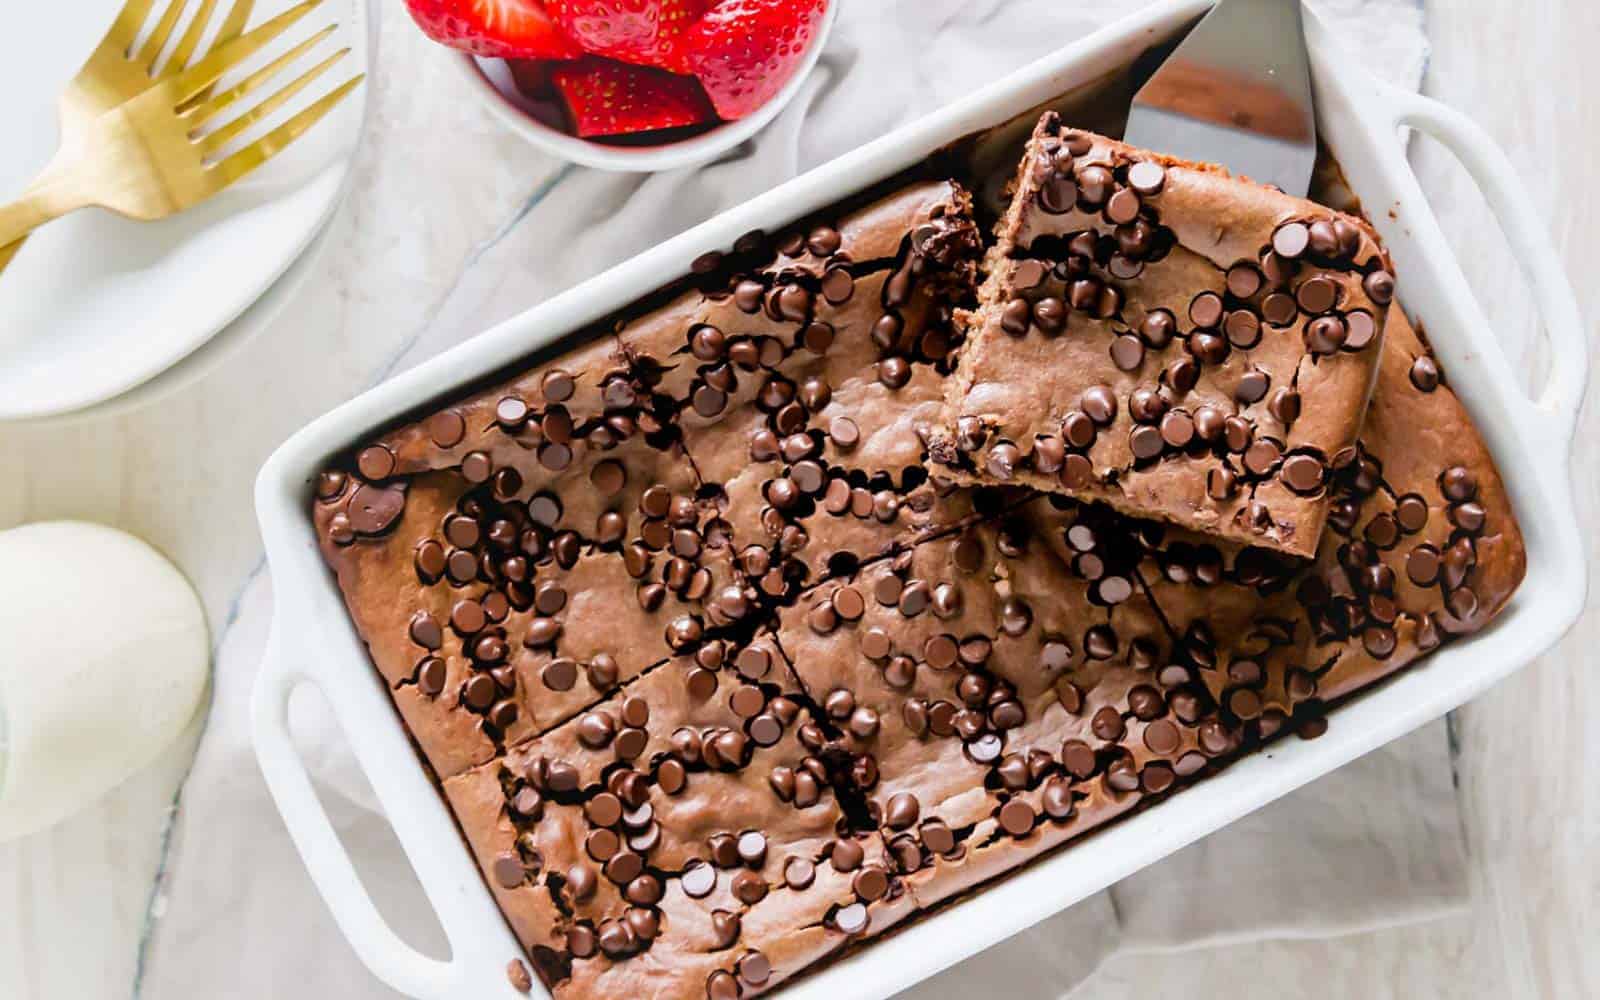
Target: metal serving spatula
pixel 1237 91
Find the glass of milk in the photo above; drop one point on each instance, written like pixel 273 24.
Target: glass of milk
pixel 106 662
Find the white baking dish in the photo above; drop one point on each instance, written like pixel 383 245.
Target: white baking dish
pixel 313 641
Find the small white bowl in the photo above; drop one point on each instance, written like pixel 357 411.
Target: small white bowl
pixel 531 119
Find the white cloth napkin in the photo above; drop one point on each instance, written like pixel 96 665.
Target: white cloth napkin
pixel 1376 844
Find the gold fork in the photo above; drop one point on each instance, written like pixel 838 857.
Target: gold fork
pixel 118 70
pixel 154 155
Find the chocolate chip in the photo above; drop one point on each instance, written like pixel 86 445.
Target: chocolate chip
pixel 1280 309
pixel 1016 817
pixel 1145 442
pixel 425 631
pixel 1205 311
pixel 1147 177
pixel 1458 483
pixel 901 811
pixel 431 676
pixel 870 883
pixel 1361 329
pixel 1285 406
pixel 1317 295
pixel 1302 473
pixel 508 870
pixel 1161 737
pixel 1107 724
pixel 560 674
pixel 1177 429
pixel 851 919
pixel 1262 456
pixel 1291 240
pixel 1158 328
pixel 1243 329
pixel 446 428
pixel 1099 404
pixel 754 969
pixel 1127 352
pixel 1379 286
pixel 1003 460
pixel 1078 758
pixel 1244 280
pixel 373 509
pixel 1123 207
pixel 376 462
pixel 1326 334
pixel 1422 565
pixel 1183 374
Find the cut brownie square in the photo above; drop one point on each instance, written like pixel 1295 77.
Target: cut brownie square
pixel 807 385
pixel 676 833
pixel 979 684
pixel 534 546
pixel 1179 343
pixel 1422 547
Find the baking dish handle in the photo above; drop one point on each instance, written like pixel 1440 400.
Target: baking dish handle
pixel 1524 229
pixel 384 952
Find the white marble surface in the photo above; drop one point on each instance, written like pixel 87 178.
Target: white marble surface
pixel 396 283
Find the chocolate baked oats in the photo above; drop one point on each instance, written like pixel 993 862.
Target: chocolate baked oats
pixel 723 666
pixel 1173 341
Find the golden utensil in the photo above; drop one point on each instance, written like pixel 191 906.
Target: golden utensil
pixel 155 155
pixel 118 69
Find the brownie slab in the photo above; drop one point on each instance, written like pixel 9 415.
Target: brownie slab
pixel 726 667
pixel 1179 343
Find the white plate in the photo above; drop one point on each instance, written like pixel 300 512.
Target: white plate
pixel 96 304
pixel 204 359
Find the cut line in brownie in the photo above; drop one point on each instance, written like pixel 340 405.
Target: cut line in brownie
pixel 1181 344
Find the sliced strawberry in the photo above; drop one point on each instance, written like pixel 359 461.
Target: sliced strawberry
pixel 637 31
pixel 504 29
pixel 744 51
pixel 606 97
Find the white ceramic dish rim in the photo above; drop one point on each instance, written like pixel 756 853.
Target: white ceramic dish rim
pixel 688 152
pixel 312 639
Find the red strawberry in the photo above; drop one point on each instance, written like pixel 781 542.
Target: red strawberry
pixel 613 98
pixel 638 31
pixel 504 29
pixel 744 51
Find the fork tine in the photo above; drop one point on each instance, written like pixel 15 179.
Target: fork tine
pixel 125 29
pixel 231 28
pixel 151 50
pixel 216 141
pixel 191 39
pixel 198 114
pixel 210 69
pixel 274 142
pixel 233 24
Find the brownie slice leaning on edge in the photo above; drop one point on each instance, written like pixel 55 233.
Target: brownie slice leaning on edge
pixel 1176 342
